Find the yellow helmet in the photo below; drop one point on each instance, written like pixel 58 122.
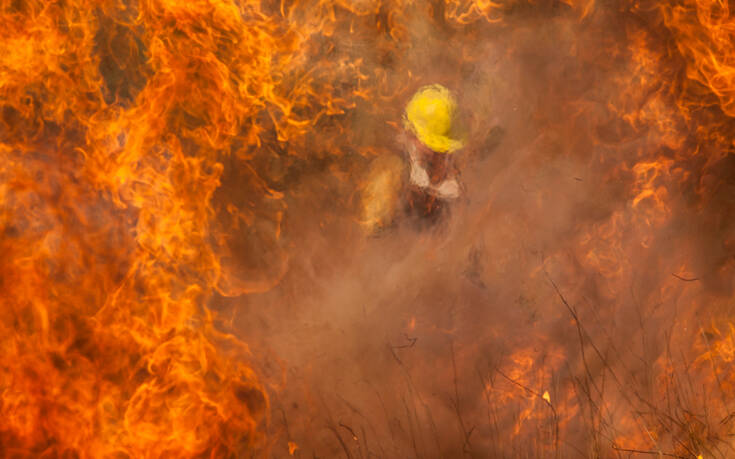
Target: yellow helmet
pixel 430 115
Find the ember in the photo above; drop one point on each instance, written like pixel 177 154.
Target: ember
pixel 367 228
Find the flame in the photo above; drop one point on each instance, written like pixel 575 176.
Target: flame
pixel 106 266
pixel 120 220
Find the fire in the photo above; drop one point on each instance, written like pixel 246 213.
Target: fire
pixel 111 128
pixel 174 172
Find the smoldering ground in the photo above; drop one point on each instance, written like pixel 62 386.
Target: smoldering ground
pixel 557 310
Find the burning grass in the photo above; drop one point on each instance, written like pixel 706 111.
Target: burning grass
pixel 179 178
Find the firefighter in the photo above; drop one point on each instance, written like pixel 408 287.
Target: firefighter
pixel 430 120
pixel 428 143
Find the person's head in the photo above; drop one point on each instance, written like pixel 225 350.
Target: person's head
pixel 430 115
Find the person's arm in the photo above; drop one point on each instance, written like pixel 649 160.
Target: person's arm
pixel 448 189
pixel 418 175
